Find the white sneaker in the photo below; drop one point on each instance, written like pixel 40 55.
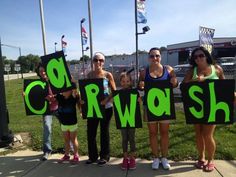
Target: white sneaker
pixel 155 163
pixel 165 163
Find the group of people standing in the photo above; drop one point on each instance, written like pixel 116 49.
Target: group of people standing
pixel 64 107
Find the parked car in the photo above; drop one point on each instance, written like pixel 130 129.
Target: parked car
pixel 228 65
pixel 180 71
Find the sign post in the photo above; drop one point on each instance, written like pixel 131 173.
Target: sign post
pixel 7 68
pixel 17 68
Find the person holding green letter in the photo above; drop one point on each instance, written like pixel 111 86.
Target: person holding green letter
pixel 67 102
pixel 156 72
pixel 203 68
pixel 47 119
pixel 128 134
pixel 92 123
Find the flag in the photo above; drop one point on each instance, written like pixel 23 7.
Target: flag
pixel 141 13
pixel 63 44
pixel 206 38
pixel 84 36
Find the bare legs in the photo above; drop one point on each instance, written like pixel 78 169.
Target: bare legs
pixel 205 141
pixel 164 138
pixel 71 136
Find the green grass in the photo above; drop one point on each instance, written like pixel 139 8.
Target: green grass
pixel 182 145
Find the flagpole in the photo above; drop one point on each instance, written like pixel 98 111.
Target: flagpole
pixel 43 26
pixel 82 45
pixel 136 42
pixel 90 32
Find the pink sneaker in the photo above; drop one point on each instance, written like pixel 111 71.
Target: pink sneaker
pixel 125 164
pixel 64 158
pixel 132 164
pixel 75 160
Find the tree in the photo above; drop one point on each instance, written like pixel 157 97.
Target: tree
pixel 28 63
pixel 163 49
pixel 86 58
pixel 72 62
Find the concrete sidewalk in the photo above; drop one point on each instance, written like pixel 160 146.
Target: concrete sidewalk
pixel 27 163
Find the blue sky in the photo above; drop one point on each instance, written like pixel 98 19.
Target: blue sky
pixel 113 24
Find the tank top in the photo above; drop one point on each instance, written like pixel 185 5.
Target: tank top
pixel 213 74
pixel 106 91
pixel 165 76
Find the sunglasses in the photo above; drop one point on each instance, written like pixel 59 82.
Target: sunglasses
pixel 200 56
pixel 100 60
pixel 154 56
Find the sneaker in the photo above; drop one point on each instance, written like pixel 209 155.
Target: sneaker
pixel 132 164
pixel 102 162
pixel 75 160
pixel 45 156
pixel 125 164
pixel 155 163
pixel 64 158
pixel 165 163
pixel 88 162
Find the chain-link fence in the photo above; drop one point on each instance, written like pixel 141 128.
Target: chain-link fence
pixel 228 65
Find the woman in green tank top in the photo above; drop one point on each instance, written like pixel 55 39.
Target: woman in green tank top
pixel 204 68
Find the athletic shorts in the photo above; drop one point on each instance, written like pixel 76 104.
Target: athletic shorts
pixel 70 128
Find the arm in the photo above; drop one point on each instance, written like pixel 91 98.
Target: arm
pixel 141 79
pixel 188 77
pixel 111 81
pixel 219 72
pixel 173 79
pixel 112 87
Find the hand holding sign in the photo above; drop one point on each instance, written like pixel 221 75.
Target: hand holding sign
pixel 57 72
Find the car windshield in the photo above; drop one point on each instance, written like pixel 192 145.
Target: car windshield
pixel 181 70
pixel 226 60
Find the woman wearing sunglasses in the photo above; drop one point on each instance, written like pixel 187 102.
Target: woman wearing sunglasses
pixel 92 124
pixel 156 72
pixel 204 68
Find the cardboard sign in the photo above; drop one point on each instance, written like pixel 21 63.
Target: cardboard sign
pixel 209 102
pixel 35 92
pixel 127 109
pixel 160 101
pixel 57 72
pixel 92 93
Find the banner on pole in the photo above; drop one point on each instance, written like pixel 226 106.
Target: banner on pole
pixel 84 36
pixel 206 38
pixel 141 13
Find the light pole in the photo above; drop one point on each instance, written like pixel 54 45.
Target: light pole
pixel 55 45
pixel 43 27
pixel 62 41
pixel 145 29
